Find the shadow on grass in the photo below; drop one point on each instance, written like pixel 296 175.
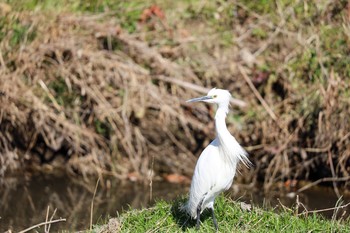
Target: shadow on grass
pixel 182 219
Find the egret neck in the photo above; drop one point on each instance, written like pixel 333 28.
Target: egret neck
pixel 220 122
pixel 222 132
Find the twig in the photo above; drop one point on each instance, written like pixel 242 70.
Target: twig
pixel 346 135
pixel 31 203
pixel 234 101
pixel 326 179
pixel 53 214
pixel 47 218
pixel 337 206
pixel 43 223
pixel 51 97
pixel 151 179
pixel 2 61
pixel 257 94
pixel 333 174
pixel 92 203
pixel 316 150
pixel 298 205
pixel 327 209
pixel 283 206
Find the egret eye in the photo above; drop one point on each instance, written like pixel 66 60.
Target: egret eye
pixel 214 96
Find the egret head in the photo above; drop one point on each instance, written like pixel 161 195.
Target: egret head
pixel 216 96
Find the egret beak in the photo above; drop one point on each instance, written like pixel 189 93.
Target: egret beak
pixel 199 99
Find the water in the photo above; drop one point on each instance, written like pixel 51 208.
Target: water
pixel 24 201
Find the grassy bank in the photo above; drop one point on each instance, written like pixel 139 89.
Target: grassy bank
pixel 232 217
pixel 99 87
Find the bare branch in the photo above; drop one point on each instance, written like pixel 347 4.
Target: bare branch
pixel 43 224
pixel 257 94
pixel 92 203
pixel 327 179
pixel 234 101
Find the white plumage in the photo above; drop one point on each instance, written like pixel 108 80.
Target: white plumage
pixel 216 166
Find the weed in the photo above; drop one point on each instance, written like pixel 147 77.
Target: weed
pixel 231 218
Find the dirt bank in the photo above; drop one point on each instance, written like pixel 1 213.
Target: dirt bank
pixel 86 93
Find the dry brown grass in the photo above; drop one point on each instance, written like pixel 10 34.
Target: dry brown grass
pixel 86 95
pixel 102 88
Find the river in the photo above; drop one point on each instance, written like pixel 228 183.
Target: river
pixel 24 200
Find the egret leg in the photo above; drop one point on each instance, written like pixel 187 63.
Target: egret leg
pixel 185 223
pixel 214 219
pixel 199 209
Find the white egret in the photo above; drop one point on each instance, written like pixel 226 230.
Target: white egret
pixel 216 166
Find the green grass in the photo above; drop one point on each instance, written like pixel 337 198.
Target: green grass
pixel 127 12
pixel 17 31
pixel 166 217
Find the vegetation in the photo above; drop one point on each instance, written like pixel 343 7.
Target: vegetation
pixel 99 88
pixel 104 84
pixel 231 216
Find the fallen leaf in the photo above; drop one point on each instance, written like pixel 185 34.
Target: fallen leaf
pixel 177 179
pixel 290 183
pixel 151 11
pixel 157 11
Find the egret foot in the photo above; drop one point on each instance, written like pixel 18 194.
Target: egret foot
pixel 199 209
pixel 214 219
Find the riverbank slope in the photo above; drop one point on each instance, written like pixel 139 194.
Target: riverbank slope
pixel 232 216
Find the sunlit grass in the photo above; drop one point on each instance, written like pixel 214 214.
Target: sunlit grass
pixel 166 217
